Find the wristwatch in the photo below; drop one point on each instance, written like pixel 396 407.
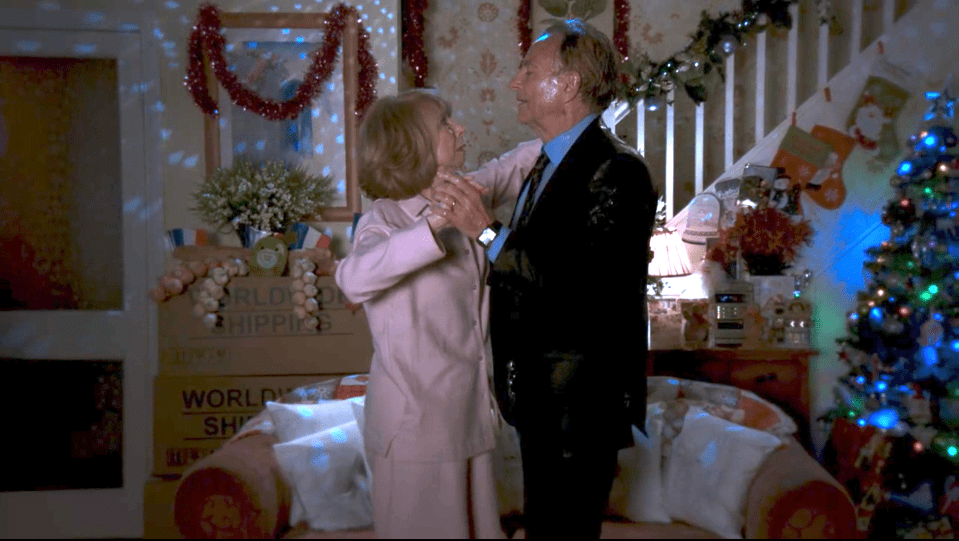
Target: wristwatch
pixel 489 234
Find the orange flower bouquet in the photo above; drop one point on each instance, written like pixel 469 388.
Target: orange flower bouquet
pixel 768 240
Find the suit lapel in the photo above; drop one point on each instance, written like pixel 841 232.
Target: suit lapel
pixel 577 166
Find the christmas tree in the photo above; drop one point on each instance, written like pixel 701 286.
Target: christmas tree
pixel 902 346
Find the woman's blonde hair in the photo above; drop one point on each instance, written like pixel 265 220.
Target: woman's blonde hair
pixel 396 147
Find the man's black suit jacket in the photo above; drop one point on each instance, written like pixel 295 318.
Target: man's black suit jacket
pixel 568 304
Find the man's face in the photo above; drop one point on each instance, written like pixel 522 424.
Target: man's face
pixel 537 84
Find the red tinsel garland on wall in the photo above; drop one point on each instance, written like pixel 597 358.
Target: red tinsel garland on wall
pixel 207 40
pixel 621 27
pixel 414 53
pixel 524 27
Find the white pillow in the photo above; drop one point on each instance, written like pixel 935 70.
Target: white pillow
pixel 637 492
pixel 328 473
pixel 710 469
pixel 294 421
pixel 661 389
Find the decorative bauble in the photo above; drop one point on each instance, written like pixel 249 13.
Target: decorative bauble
pixel 655 102
pixel 727 45
pixel 893 326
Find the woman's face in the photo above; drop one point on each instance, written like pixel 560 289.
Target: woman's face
pixel 450 150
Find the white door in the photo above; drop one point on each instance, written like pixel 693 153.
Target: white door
pixel 116 327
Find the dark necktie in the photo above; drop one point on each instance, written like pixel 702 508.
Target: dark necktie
pixel 532 181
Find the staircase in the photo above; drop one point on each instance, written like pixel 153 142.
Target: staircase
pixel 781 77
pixel 807 75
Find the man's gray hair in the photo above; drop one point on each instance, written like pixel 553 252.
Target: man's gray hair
pixel 590 53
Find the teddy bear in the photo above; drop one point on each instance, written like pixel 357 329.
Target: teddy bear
pixel 695 324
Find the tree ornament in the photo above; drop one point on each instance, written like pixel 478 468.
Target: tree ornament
pixel 727 45
pixel 942 105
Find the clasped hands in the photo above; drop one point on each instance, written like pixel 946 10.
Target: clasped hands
pixel 456 201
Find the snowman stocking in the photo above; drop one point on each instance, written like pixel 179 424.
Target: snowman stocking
pixel 800 157
pixel 826 187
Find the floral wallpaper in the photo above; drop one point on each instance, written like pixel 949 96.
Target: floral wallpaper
pixel 473 54
pixel 472 51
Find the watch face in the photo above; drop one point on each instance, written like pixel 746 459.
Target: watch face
pixel 487 236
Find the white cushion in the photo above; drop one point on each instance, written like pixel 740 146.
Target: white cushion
pixel 637 492
pixel 294 421
pixel 328 473
pixel 709 471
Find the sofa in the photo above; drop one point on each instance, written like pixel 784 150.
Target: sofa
pixel 241 491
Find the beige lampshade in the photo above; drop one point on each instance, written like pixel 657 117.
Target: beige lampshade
pixel 669 255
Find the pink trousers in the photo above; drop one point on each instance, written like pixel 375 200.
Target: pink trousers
pixel 450 500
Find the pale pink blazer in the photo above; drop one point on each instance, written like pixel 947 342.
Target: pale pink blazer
pixel 426 299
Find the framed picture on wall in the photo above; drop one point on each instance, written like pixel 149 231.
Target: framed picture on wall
pixel 270 53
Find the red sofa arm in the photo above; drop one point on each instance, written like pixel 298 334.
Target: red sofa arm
pixel 793 497
pixel 236 492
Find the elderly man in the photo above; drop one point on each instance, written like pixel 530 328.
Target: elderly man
pixel 568 277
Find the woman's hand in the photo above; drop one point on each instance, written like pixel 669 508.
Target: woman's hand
pixel 457 199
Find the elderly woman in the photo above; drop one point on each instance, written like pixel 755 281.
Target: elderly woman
pixel 430 418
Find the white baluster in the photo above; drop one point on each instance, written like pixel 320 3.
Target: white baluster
pixel 855 29
pixel 760 125
pixel 700 146
pixel 730 123
pixel 670 176
pixel 792 61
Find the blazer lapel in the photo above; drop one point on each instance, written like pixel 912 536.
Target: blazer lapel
pixel 577 164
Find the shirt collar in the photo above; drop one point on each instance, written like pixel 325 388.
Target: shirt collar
pixel 557 148
pixel 414 206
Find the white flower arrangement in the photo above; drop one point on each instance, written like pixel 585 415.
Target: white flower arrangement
pixel 268 196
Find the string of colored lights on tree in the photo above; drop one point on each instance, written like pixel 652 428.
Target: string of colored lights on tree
pixel 207 41
pixel 414 53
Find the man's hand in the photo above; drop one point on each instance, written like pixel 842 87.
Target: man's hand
pixel 457 198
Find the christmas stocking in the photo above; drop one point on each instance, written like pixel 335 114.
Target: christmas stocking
pixel 826 187
pixel 873 119
pixel 800 156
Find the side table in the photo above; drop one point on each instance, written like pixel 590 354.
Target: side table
pixel 780 375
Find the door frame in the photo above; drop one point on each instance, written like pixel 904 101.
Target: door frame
pixel 105 512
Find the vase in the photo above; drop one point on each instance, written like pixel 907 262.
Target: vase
pixel 249 234
pixel 766 288
pixel 764 264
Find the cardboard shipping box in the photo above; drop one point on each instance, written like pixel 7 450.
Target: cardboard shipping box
pixel 260 334
pixel 159 496
pixel 194 416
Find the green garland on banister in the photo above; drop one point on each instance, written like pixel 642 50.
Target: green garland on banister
pixel 697 67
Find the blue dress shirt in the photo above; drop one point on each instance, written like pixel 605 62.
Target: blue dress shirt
pixel 556 150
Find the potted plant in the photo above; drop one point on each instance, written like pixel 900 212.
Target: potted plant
pixel 258 199
pixel 766 239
